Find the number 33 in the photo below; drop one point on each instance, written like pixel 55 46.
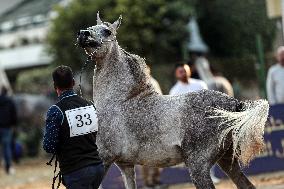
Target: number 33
pixel 81 122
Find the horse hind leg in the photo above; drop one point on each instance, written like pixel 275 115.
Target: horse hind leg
pixel 233 170
pixel 128 175
pixel 199 169
pixel 201 178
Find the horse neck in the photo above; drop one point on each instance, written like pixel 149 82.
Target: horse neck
pixel 122 76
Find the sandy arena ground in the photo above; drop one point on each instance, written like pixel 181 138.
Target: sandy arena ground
pixel 34 174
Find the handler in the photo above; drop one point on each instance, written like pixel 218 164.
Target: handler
pixel 71 135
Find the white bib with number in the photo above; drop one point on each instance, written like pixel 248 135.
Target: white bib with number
pixel 82 120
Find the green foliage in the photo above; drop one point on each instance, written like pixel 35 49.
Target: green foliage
pixel 242 69
pixel 31 138
pixel 229 27
pixel 36 81
pixel 152 29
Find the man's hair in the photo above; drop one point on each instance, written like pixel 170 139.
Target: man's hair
pixel 63 77
pixel 180 65
pixel 190 63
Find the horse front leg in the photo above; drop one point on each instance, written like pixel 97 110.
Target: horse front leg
pixel 128 175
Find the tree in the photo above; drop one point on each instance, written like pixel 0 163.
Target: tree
pixel 155 30
pixel 229 27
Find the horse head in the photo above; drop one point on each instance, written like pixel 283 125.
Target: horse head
pixel 98 40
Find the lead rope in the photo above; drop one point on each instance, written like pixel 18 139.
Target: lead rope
pixel 81 72
pixel 89 59
pixel 55 176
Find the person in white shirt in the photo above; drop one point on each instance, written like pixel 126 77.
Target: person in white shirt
pixel 275 80
pixel 184 83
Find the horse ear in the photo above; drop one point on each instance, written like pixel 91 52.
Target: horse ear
pixel 116 24
pixel 99 21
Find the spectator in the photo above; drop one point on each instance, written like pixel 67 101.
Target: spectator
pixel 8 119
pixel 220 83
pixel 274 82
pixel 184 83
pixel 154 81
pixel 201 69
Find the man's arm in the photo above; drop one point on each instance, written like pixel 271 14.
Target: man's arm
pixel 54 119
pixel 270 87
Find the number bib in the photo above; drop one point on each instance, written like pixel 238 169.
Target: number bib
pixel 82 120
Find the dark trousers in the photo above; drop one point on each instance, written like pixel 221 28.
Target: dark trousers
pixel 89 177
pixel 6 143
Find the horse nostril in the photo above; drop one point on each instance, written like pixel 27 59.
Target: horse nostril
pixel 86 33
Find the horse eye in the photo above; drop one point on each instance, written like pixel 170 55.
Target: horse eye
pixel 106 32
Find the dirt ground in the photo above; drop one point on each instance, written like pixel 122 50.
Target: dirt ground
pixel 34 174
pixel 264 181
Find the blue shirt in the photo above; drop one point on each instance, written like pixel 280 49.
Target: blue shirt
pixel 54 119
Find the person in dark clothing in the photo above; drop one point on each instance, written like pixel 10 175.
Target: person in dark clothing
pixel 71 128
pixel 8 119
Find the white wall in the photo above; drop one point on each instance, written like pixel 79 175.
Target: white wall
pixel 7 4
pixel 13 37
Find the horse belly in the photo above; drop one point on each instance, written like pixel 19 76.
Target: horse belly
pixel 164 156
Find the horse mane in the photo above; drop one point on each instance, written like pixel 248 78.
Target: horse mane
pixel 141 77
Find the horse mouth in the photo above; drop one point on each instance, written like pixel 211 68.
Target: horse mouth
pixel 88 43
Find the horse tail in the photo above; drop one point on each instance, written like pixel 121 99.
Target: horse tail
pixel 246 127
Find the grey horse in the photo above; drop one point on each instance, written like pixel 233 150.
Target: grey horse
pixel 137 125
